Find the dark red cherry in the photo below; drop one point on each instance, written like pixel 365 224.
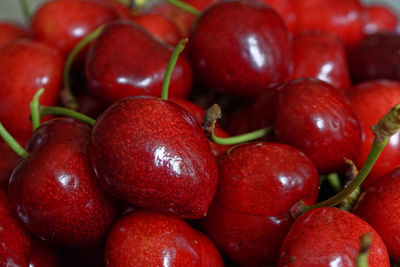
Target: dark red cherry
pixel 7 164
pixel 125 60
pixel 54 191
pixel 370 101
pixel 10 31
pixel 143 238
pixel 64 23
pixel 379 18
pixel 153 154
pixel 44 255
pixel 314 117
pixel 379 205
pixel 330 237
pixel 376 57
pixel 240 47
pixel 26 66
pixel 286 10
pixel 259 183
pixel 343 17
pixel 15 243
pixel 321 55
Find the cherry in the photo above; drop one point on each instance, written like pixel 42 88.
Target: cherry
pixel 42 67
pixel 343 17
pixel 314 117
pixel 370 101
pixel 54 190
pixel 379 18
pixel 376 57
pixel 259 183
pixel 143 238
pixel 328 237
pixel 125 60
pixel 379 206
pixel 43 255
pixel 15 243
pixel 160 27
pixel 8 161
pixel 286 10
pixel 321 55
pixel 240 47
pixel 10 31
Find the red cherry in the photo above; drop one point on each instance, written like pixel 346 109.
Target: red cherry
pixel 125 60
pixel 370 101
pixel 152 153
pixel 142 238
pixel 43 255
pixel 259 183
pixel 329 237
pixel 240 47
pixel 286 10
pixel 321 55
pixel 10 31
pixel 54 191
pixel 343 17
pixel 159 27
pixel 15 244
pixel 7 164
pixel 26 66
pixel 314 117
pixel 379 206
pixel 378 18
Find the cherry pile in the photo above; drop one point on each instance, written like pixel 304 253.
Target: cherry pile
pixel 200 133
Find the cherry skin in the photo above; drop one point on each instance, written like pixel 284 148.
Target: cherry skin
pixel 125 60
pixel 343 17
pixel 379 206
pixel 376 57
pixel 7 164
pixel 43 255
pixel 10 31
pixel 143 238
pixel 321 55
pixel 64 23
pixel 327 237
pixel 159 27
pixel 286 10
pixel 379 18
pixel 259 183
pixel 54 191
pixel 153 154
pixel 15 243
pixel 42 67
pixel 314 117
pixel 240 47
pixel 370 101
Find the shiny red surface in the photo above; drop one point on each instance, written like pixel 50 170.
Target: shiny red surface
pixel 329 237
pixel 379 18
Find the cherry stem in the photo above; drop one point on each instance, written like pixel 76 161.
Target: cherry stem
pixel 34 107
pixel 182 5
pixel 362 257
pixel 27 9
pixel 386 127
pixel 15 146
pixel 45 110
pixel 170 67
pixel 66 95
pixel 214 113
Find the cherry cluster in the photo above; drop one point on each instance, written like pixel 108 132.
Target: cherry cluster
pixel 112 153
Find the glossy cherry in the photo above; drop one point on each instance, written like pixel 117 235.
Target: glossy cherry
pixel 259 183
pixel 380 207
pixel 379 18
pixel 314 117
pixel 376 57
pixel 143 238
pixel 125 60
pixel 42 67
pixel 321 55
pixel 330 237
pixel 54 191
pixel 240 47
pixel 343 17
pixel 153 154
pixel 15 243
pixel 370 101
pixel 10 31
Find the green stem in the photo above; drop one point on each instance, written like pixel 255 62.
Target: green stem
pixel 184 6
pixel 34 106
pixel 27 9
pixel 15 146
pixel 45 110
pixel 170 67
pixel 67 96
pixel 362 257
